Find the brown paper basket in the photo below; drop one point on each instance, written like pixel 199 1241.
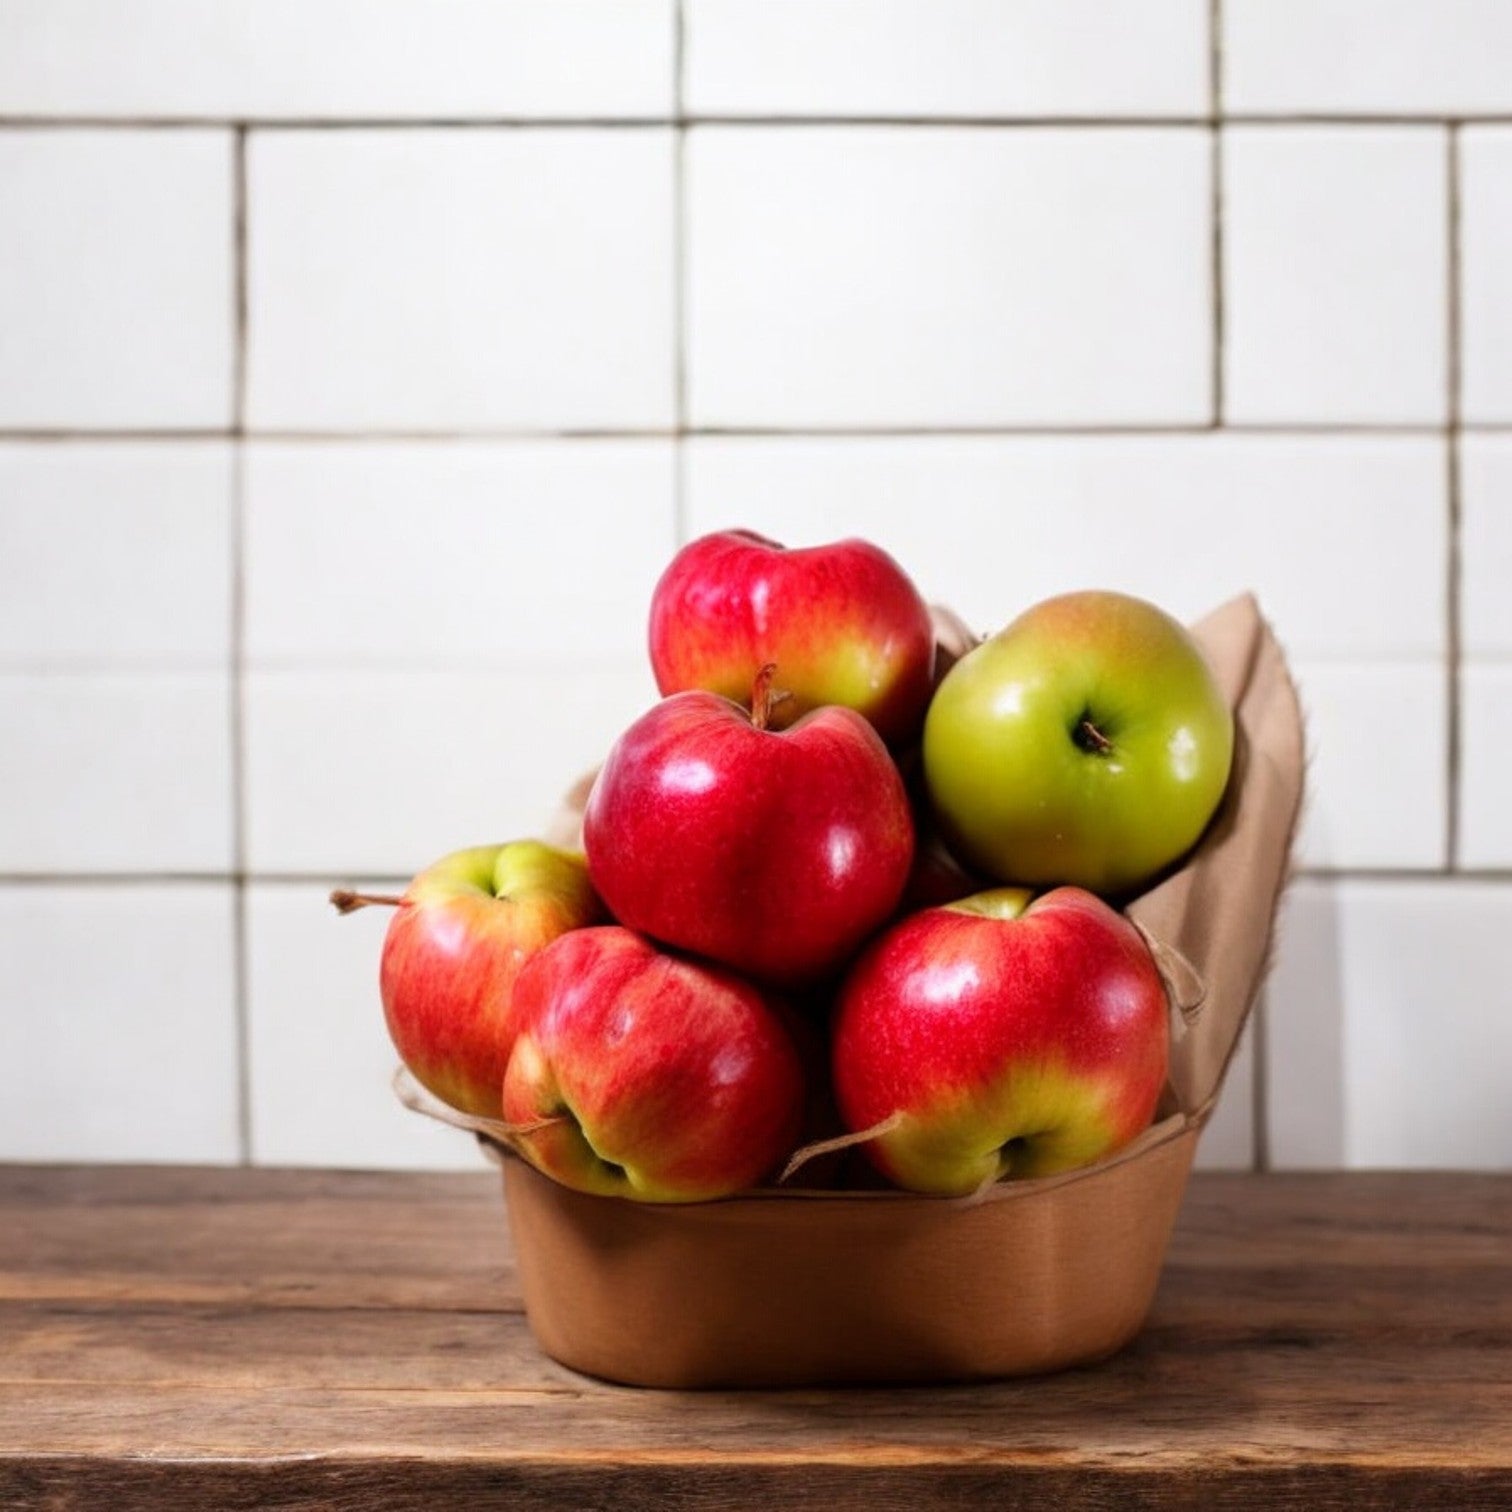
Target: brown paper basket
pixel 791 1288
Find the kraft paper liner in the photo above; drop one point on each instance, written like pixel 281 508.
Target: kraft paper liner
pixel 796 1287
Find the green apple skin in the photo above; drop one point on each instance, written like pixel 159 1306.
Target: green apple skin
pixel 1085 744
pixel 461 934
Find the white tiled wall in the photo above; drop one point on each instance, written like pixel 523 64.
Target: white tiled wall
pixel 362 361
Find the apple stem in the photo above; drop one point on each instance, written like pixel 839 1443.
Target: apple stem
pixel 414 1097
pixel 345 901
pixel 805 1153
pixel 765 698
pixel 1090 738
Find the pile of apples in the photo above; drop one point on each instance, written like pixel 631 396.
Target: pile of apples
pixel 825 891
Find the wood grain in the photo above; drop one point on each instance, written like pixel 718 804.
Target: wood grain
pixel 302 1339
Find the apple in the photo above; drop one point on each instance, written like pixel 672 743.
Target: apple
pixel 1000 1036
pixel 652 1076
pixel 843 622
pixel 772 851
pixel 455 945
pixel 1086 743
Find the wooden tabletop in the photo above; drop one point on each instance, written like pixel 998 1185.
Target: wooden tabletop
pixel 242 1338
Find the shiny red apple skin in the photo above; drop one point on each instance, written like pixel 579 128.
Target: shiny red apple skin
pixel 843 622
pixel 454 947
pixel 775 852
pixel 675 1081
pixel 1015 1038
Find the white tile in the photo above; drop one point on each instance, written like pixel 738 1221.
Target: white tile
pixel 1398 57
pixel 115 554
pixel 433 280
pixel 118 1023
pixel 1335 248
pixel 1486 261
pixel 327 59
pixel 1485 820
pixel 115 279
pixel 1391 1037
pixel 1486 545
pixel 948 57
pixel 852 276
pixel 1304 1032
pixel 1228 1141
pixel 115 773
pixel 320 1060
pixel 1377 741
pixel 534 551
pixel 372 772
pixel 1343 538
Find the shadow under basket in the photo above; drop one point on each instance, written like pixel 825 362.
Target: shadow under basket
pixel 802 1288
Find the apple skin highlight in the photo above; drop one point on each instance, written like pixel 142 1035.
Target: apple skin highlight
pixel 1002 1042
pixel 775 852
pixel 843 622
pixel 674 1081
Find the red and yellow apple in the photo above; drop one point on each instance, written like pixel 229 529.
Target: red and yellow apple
pixel 1087 743
pixel 843 622
pixel 775 852
pixel 1000 1037
pixel 657 1077
pixel 455 945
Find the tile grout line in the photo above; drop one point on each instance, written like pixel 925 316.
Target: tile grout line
pixel 1215 169
pixel 1050 121
pixel 240 968
pixel 679 276
pixel 1453 588
pixel 1259 1088
pixel 1388 875
pixel 859 432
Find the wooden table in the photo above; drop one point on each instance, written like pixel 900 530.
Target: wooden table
pixel 228 1339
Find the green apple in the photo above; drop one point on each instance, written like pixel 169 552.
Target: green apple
pixel 1087 743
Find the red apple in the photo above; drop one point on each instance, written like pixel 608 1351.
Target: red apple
pixel 1002 1037
pixel 462 931
pixel 669 1080
pixel 773 851
pixel 843 622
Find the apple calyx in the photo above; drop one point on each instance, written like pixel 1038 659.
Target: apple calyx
pixel 764 697
pixel 1089 738
pixel 345 901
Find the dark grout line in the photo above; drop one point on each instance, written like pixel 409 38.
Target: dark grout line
pixel 679 276
pixel 1437 875
pixel 654 123
pixel 1453 586
pixel 1260 1139
pixel 239 282
pixel 1205 428
pixel 318 123
pixel 241 969
pixel 237 701
pixel 503 434
pixel 1260 1131
pixel 1215 169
